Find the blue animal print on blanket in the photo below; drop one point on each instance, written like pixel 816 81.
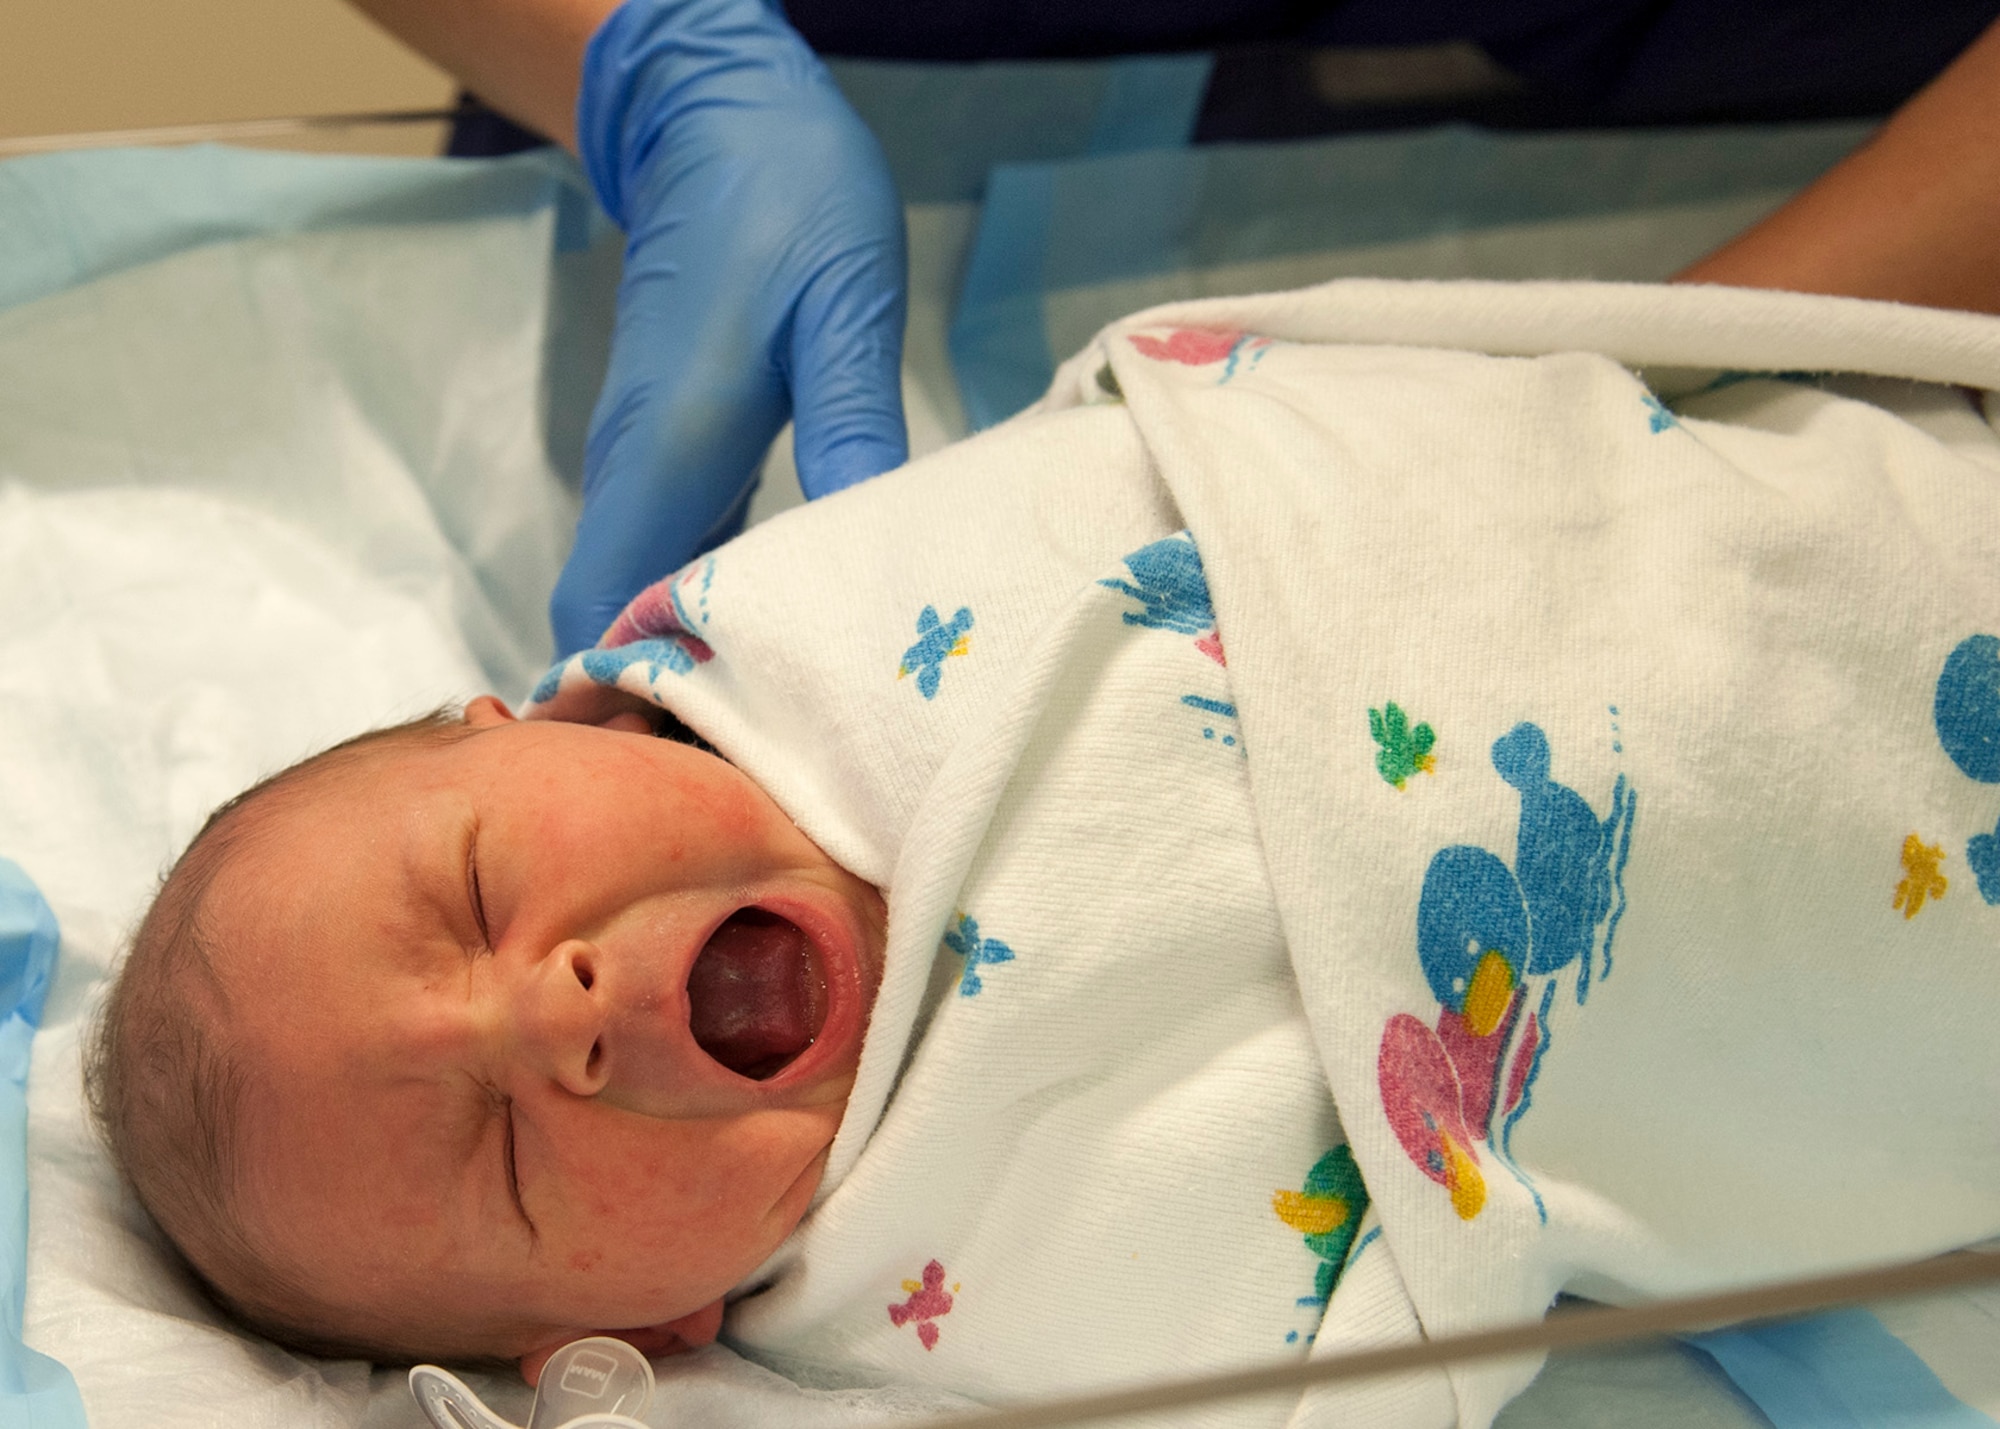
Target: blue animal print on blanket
pixel 605 667
pixel 1966 711
pixel 1568 862
pixel 1167 582
pixel 1223 710
pixel 1486 935
pixel 937 642
pixel 1172 590
pixel 658 656
pixel 963 938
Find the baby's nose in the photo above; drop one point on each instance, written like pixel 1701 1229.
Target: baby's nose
pixel 560 1017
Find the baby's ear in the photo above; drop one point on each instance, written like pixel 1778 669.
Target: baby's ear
pixel 486 712
pixel 624 711
pixel 630 721
pixel 690 1332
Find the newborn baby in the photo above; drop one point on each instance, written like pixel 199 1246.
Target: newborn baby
pixel 1587 795
pixel 472 1037
pixel 486 1034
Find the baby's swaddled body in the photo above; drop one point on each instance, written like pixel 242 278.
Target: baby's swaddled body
pixel 1110 1152
pixel 1595 799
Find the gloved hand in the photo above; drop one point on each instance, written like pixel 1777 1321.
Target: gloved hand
pixel 764 276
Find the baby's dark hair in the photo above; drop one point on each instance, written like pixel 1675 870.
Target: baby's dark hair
pixel 159 1071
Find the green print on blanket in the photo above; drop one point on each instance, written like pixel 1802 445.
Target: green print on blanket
pixel 1486 933
pixel 1327 1211
pixel 1404 749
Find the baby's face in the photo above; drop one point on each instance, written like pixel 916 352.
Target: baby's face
pixel 548 1030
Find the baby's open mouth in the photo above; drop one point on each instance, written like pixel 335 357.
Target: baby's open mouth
pixel 756 997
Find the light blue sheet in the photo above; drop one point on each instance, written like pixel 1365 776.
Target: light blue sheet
pixel 35 1391
pixel 66 219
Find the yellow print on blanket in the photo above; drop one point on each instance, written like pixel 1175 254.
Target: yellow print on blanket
pixel 1922 880
pixel 1327 1211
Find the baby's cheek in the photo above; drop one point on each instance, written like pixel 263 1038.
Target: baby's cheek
pixel 635 1175
pixel 740 823
pixel 743 820
pixel 618 1182
pixel 696 1189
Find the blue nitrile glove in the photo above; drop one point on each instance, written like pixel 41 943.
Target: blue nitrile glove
pixel 764 277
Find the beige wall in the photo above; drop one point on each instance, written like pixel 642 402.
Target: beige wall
pixel 68 66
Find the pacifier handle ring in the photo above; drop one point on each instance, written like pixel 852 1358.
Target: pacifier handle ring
pixel 449 1402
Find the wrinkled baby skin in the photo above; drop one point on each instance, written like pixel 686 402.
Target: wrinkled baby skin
pixel 548 1031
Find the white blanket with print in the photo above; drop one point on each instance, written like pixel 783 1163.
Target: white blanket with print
pixel 1621 780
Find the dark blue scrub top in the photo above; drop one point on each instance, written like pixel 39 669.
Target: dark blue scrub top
pixel 1581 62
pixel 1604 61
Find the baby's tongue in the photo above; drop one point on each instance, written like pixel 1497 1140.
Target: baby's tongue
pixel 750 994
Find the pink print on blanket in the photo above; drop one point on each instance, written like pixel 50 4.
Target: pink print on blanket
pixel 1199 347
pixel 673 610
pixel 927 1302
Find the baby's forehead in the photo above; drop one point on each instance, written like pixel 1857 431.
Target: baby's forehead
pixel 343 852
pixel 374 781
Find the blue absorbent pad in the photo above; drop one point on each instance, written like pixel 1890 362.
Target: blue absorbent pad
pixel 1066 246
pixel 1839 1370
pixel 35 1391
pixel 944 127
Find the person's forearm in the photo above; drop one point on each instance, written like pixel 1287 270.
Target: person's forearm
pixel 1912 216
pixel 520 56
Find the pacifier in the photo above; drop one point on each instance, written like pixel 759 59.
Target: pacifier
pixel 598 1383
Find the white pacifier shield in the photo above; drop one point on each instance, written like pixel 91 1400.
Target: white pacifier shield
pixel 597 1377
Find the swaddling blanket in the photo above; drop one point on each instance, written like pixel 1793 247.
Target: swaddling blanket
pixel 1622 775
pixel 1110 1080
